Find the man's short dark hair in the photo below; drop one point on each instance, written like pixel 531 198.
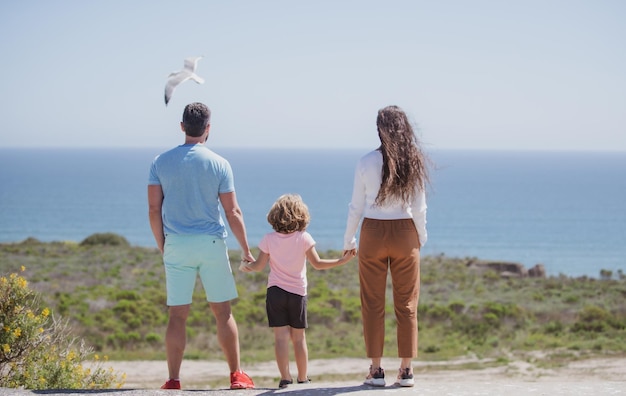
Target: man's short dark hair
pixel 196 117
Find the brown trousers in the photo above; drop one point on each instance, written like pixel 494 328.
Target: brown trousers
pixel 389 245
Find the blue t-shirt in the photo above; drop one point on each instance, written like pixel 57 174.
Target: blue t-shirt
pixel 192 177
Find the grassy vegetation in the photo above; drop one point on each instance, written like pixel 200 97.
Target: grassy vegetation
pixel 38 351
pixel 113 295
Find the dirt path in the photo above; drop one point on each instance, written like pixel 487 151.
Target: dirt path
pixel 463 377
pixel 197 374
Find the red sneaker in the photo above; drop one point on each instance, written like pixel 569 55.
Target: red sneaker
pixel 240 380
pixel 171 384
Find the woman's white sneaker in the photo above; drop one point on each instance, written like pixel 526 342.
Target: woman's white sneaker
pixel 405 378
pixel 376 377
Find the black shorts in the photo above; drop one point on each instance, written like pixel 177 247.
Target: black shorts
pixel 285 309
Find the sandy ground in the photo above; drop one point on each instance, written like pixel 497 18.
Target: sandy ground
pixel 151 374
pixel 462 377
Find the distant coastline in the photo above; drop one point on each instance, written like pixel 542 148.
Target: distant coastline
pixel 561 209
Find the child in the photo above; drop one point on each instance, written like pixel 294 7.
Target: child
pixel 287 250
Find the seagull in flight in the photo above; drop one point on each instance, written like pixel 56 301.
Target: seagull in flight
pixel 188 72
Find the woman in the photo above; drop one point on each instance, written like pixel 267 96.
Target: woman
pixel 389 195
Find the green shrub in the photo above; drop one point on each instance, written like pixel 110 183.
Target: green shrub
pixel 491 319
pixel 437 312
pixel 107 238
pixel 153 338
pixel 37 351
pixel 553 327
pixel 432 349
pixel 593 319
pixel 457 306
pixel 475 330
pixel 114 298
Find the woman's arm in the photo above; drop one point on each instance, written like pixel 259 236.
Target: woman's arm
pixel 418 208
pixel 322 264
pixel 355 209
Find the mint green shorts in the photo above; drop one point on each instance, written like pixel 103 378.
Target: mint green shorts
pixel 187 256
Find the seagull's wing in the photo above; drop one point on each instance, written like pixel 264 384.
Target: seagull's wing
pixel 173 81
pixel 192 62
pixel 169 90
pixel 197 78
pixel 179 77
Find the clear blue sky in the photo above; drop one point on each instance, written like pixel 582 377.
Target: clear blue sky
pixel 479 74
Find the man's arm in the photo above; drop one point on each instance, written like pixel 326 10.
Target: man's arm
pixel 155 203
pixel 234 216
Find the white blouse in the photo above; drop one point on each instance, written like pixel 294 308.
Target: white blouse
pixel 367 179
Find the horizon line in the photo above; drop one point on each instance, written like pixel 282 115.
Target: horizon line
pixel 301 148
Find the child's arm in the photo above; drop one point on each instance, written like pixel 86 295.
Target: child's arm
pixel 322 264
pixel 257 265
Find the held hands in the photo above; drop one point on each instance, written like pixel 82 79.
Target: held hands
pixel 244 267
pixel 246 259
pixel 348 255
pixel 351 252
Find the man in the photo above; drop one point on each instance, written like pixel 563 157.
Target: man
pixel 186 186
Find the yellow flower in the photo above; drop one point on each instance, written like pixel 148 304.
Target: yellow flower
pixel 17 332
pixel 22 268
pixel 96 357
pixel 42 380
pixel 23 283
pixel 122 381
pixel 71 355
pixel 6 348
pixel 45 312
pixel 41 330
pixel 7 329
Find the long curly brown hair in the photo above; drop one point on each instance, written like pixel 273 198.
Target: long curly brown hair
pixel 405 166
pixel 289 214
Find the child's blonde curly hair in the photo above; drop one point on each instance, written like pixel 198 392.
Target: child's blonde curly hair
pixel 289 214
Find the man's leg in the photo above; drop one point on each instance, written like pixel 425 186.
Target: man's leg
pixel 227 333
pixel 175 338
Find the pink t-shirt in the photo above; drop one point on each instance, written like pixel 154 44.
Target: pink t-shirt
pixel 287 259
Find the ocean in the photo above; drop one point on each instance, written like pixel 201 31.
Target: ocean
pixel 566 210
